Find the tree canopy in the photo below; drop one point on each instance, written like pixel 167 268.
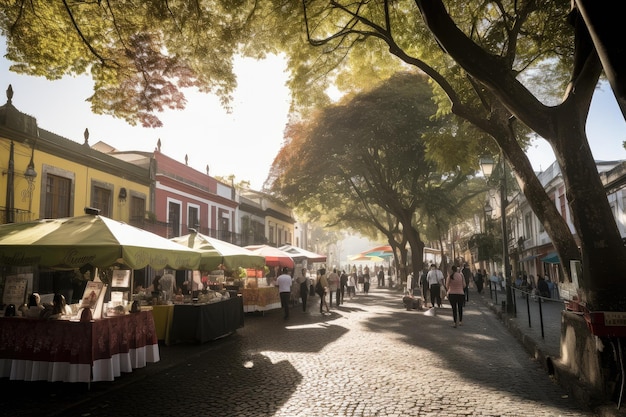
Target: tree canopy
pixel 365 158
pixel 141 55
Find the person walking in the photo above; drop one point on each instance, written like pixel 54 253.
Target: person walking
pixel 283 282
pixel 303 281
pixel 333 286
pixel 381 277
pixel 351 285
pixel 366 279
pixel 467 275
pixel 321 288
pixel 343 283
pixel 424 285
pixel 494 281
pixel 455 284
pixel 478 280
pixel 542 287
pixel 435 280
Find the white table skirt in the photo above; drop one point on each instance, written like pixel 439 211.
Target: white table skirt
pixel 252 308
pixel 103 369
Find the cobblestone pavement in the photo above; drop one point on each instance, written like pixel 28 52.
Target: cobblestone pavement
pixel 370 357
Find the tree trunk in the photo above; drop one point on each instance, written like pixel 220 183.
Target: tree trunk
pixel 603 252
pixel 563 126
pixel 415 242
pixel 544 208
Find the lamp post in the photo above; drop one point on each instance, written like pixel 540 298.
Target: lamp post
pixel 30 174
pixel 487 165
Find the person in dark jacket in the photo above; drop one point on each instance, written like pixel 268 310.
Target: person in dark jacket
pixel 467 276
pixel 542 287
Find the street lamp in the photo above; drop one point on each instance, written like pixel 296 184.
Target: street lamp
pixel 488 209
pixel 487 166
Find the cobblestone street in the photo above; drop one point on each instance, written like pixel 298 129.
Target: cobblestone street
pixel 370 357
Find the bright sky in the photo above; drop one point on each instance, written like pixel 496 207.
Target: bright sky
pixel 243 143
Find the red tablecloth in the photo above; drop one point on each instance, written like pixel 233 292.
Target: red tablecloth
pixel 62 350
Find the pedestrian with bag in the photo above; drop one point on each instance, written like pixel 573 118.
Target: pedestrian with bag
pixel 455 284
pixel 333 286
pixel 321 287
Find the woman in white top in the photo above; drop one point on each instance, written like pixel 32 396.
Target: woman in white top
pixel 351 285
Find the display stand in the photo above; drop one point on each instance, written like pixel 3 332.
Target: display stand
pixel 93 298
pixel 259 297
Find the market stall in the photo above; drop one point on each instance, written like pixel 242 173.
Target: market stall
pixel 215 253
pixel 163 319
pixel 299 254
pixel 205 322
pixel 75 351
pixel 202 322
pixel 90 239
pixel 273 256
pixel 260 293
pixel 260 299
pixel 98 339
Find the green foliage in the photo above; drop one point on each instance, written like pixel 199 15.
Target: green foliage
pixel 363 163
pixel 140 54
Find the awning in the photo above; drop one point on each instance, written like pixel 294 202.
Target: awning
pixel 529 258
pixel 551 258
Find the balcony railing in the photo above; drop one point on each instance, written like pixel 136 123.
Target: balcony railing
pixel 15 216
pixel 167 230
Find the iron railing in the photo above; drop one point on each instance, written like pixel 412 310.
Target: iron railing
pixel 15 215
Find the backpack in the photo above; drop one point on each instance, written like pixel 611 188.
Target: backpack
pixel 318 287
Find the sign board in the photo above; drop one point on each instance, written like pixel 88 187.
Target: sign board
pixel 607 323
pixel 120 278
pixel 93 298
pixel 15 290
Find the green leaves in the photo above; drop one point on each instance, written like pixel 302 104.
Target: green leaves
pixel 141 55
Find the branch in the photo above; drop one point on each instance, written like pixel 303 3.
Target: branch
pixel 102 60
pixel 490 70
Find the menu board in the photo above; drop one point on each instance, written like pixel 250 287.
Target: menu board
pixel 120 278
pixel 15 290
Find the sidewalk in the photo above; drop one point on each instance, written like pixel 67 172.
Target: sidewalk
pixel 540 333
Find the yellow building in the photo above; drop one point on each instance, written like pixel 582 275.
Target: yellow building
pixel 47 176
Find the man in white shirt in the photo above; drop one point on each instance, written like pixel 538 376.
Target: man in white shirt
pixel 283 282
pixel 435 280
